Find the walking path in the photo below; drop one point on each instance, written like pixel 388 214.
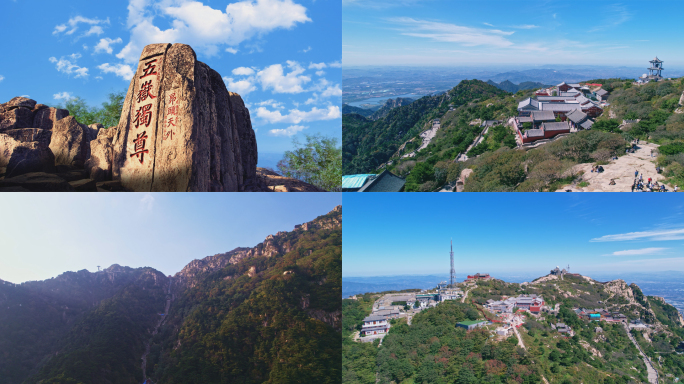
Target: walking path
pixel 652 373
pixel 427 138
pixel 621 171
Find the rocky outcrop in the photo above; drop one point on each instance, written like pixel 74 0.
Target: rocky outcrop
pixel 45 118
pixel 270 181
pixel 30 157
pixel 99 165
pixel 70 142
pixel 273 245
pixel 180 128
pixel 18 117
pixel 37 182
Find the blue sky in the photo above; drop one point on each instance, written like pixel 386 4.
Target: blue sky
pixel 58 232
pixel 511 233
pixel 486 32
pixel 282 56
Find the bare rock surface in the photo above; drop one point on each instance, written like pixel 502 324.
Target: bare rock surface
pixel 20 101
pixel 180 128
pixel 69 142
pixel 99 165
pixel 46 118
pixel 274 182
pixel 16 118
pixel 30 157
pixel 25 135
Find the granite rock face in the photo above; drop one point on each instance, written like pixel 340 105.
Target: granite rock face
pixel 18 117
pixel 20 102
pixel 70 142
pixel 180 128
pixel 30 157
pixel 99 165
pixel 46 118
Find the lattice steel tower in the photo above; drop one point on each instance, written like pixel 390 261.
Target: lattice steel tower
pixel 453 272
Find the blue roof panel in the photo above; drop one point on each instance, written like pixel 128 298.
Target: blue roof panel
pixel 355 181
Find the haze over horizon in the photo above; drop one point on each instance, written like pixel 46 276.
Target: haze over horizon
pixel 442 32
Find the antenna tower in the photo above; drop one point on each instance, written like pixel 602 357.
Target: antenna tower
pixel 98 268
pixel 453 272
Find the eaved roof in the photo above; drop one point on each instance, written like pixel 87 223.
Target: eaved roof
pixel 534 133
pixel 576 116
pixel 550 98
pixel 555 126
pixel 543 116
pixel 574 85
pixel 601 92
pixel 559 107
pixel 587 124
pixel 355 181
pixel 384 182
pixel 560 84
pixel 572 92
pixel 528 102
pixel 525 119
pixel 375 318
pixel 582 99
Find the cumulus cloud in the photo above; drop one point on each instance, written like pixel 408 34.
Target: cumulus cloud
pixel 320 73
pixel 231 50
pixel 72 26
pixel 317 65
pixel 2 78
pixel 122 70
pixel 658 235
pixel 242 86
pixel 635 252
pixel 67 64
pixel 270 103
pixel 274 78
pixel 244 71
pixel 335 64
pixel 105 45
pixel 295 116
pixel 204 27
pixel 289 131
pixel 63 96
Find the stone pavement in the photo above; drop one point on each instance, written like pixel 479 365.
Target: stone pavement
pixel 620 170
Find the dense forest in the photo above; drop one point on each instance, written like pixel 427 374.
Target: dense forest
pixel 496 163
pixel 433 350
pixel 271 315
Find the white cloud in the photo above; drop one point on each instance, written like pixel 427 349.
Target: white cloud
pixel 68 65
pixel 85 47
pixel 452 33
pixel 231 50
pixel 95 30
pixel 634 252
pixel 525 26
pixel 317 65
pixel 2 78
pixel 63 96
pixel 73 23
pixel 105 45
pixel 659 235
pixel 488 24
pixel 270 103
pixel 335 64
pixel 307 49
pixel 295 116
pixel 320 73
pixel 274 78
pixel 206 28
pixel 122 70
pixel 242 87
pixel 243 71
pixel 289 131
pixel 147 202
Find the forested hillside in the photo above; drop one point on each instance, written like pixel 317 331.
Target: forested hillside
pixel 269 313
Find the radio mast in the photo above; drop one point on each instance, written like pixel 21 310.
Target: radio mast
pixel 453 272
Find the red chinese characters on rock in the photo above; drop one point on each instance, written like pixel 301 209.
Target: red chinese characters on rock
pixel 143 116
pixel 172 117
pixel 149 68
pixel 144 92
pixel 140 150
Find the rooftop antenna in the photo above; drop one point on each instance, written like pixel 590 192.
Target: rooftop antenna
pixel 98 268
pixel 453 272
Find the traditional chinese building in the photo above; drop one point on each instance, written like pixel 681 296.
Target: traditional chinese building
pixel 375 325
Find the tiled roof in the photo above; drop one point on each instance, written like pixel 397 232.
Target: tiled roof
pixel 552 98
pixel 543 116
pixel 555 126
pixel 528 102
pixel 587 124
pixel 576 116
pixel 375 318
pixel 601 92
pixel 535 133
pixel 384 182
pixel 559 107
pixel 525 119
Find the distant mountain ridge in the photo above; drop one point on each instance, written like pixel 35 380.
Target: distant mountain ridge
pixel 513 88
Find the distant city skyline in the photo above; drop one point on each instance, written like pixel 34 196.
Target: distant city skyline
pixel 509 234
pixel 444 32
pixel 59 232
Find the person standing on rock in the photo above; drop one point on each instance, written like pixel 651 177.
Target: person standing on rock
pixel 636 173
pixel 676 188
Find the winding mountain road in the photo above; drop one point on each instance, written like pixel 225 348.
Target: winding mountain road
pixel 652 373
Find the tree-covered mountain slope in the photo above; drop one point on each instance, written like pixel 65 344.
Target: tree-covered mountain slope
pixel 433 350
pixel 269 313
